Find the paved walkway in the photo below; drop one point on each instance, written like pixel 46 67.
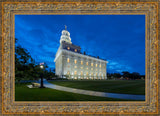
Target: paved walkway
pixel 95 93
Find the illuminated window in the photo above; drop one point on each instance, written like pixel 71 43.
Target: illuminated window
pixel 75 72
pixel 87 73
pixel 87 68
pixel 68 48
pixel 100 65
pixel 75 50
pixel 91 64
pixel 67 59
pixel 75 66
pixel 81 72
pixel 86 63
pixel 96 65
pixel 91 68
pixel 75 61
pixel 68 72
pixel 81 67
pixel 81 62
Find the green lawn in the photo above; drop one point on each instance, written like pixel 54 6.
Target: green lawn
pixel 23 93
pixel 113 86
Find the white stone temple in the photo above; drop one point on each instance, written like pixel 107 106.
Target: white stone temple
pixel 72 64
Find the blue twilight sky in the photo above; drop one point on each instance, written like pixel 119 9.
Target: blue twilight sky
pixel 120 39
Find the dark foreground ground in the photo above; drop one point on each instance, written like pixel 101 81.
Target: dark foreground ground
pixel 23 93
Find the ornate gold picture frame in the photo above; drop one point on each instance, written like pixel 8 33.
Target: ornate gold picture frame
pixel 152 44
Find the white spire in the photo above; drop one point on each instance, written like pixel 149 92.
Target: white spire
pixel 65 36
pixel 65 27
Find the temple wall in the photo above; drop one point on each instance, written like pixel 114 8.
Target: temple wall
pixel 76 67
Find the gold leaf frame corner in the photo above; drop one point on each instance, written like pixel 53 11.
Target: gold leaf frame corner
pixel 149 9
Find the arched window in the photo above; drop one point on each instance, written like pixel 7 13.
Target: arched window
pixel 96 75
pixel 68 73
pixel 68 48
pixel 81 62
pixel 81 73
pixel 75 72
pixel 87 73
pixel 75 61
pixel 86 63
pixel 68 60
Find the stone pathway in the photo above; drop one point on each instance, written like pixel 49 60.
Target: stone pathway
pixel 95 93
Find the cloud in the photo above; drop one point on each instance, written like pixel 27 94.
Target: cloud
pixel 120 39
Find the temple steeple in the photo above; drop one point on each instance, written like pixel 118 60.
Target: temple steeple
pixel 65 36
pixel 65 27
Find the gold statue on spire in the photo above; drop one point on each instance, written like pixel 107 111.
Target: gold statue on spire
pixel 65 27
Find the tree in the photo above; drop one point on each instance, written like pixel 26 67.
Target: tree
pixel 54 70
pixel 135 75
pixel 126 74
pixel 24 64
pixel 26 68
pixel 116 75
